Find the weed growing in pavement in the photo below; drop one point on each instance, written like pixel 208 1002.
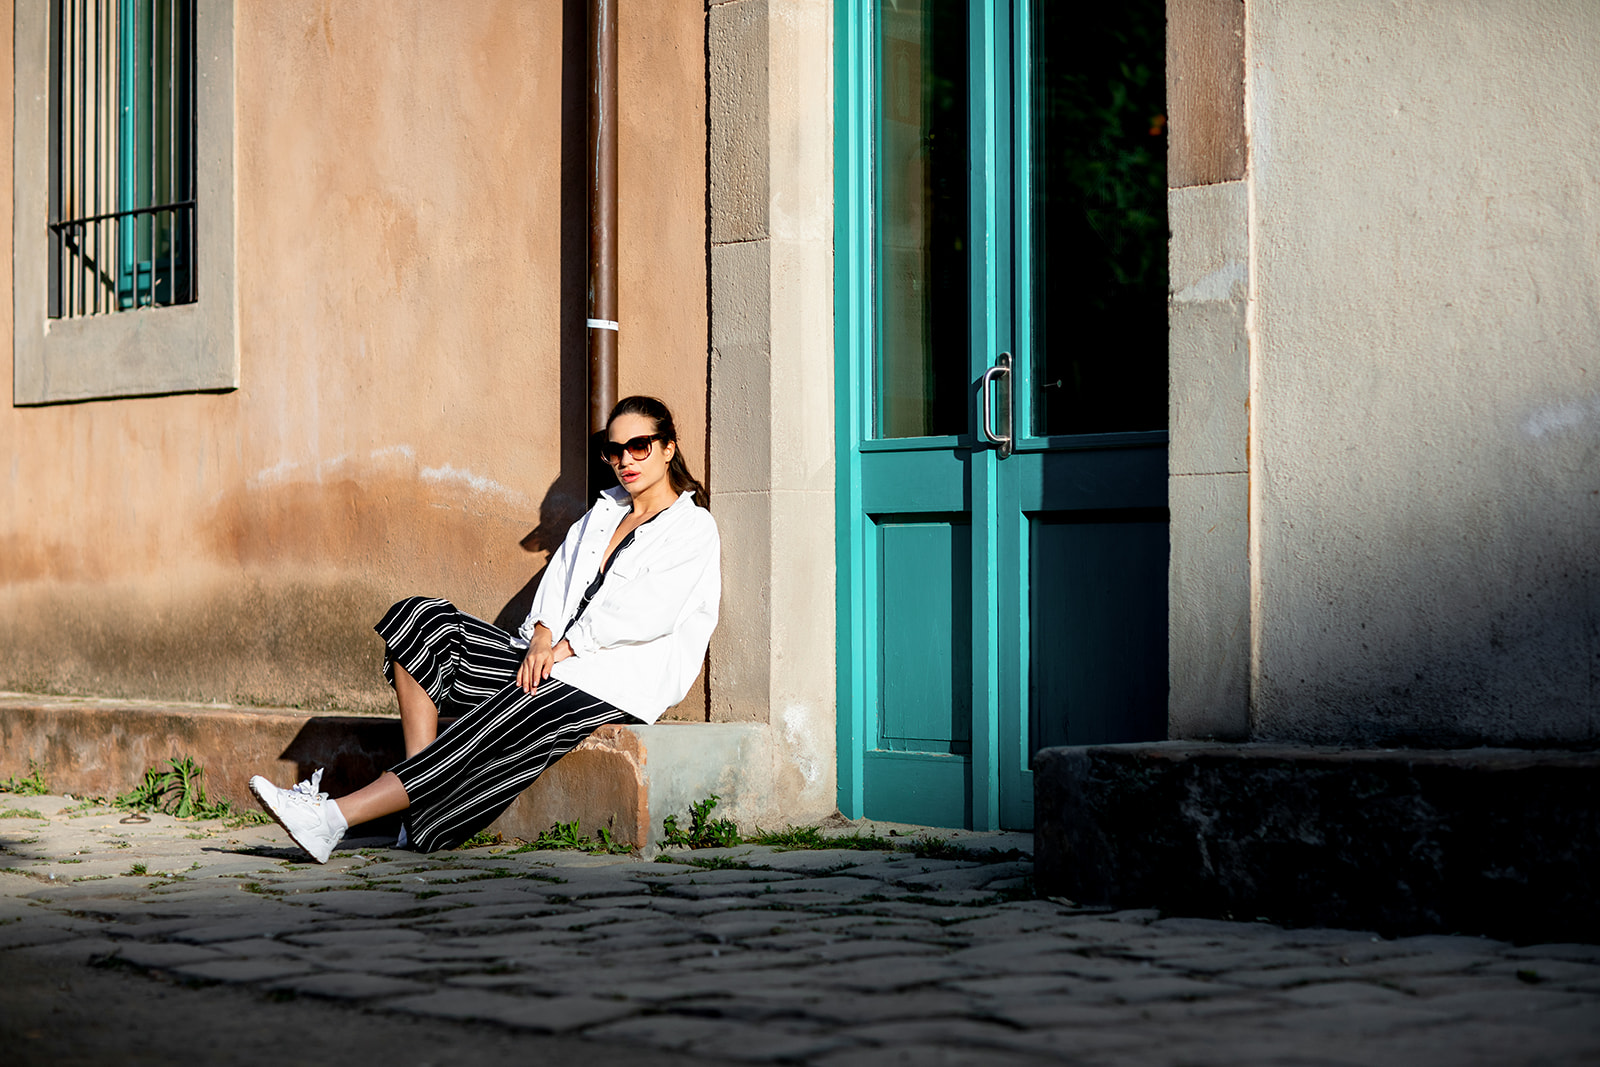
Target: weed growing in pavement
pixel 703 831
pixel 932 847
pixel 714 863
pixel 33 785
pixel 567 835
pixel 925 847
pixel 482 839
pixel 790 838
pixel 138 870
pixel 70 859
pixel 21 813
pixel 179 790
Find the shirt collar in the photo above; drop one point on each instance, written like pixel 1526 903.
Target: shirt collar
pixel 618 497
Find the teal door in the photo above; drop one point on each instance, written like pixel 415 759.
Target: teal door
pixel 1001 314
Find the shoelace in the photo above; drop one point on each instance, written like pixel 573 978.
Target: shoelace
pixel 309 788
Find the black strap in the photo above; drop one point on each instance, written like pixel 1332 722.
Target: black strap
pixel 605 569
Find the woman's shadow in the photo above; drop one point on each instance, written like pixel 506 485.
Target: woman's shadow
pixel 565 502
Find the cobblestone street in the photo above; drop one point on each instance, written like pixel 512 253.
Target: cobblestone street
pixel 834 957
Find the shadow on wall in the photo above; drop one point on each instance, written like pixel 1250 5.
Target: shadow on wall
pixel 1432 627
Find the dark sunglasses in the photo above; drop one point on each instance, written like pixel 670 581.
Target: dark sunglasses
pixel 638 447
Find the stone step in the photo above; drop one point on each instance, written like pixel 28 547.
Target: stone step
pixel 1488 840
pixel 625 778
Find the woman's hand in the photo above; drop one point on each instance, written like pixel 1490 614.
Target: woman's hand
pixel 540 658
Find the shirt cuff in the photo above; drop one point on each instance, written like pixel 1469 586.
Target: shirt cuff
pixel 579 640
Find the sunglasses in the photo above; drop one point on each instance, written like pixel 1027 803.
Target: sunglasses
pixel 637 447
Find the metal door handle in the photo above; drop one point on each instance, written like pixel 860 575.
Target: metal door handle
pixel 1002 442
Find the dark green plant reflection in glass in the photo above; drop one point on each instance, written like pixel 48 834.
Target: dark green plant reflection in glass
pixel 1099 217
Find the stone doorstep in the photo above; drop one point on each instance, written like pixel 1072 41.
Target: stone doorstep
pixel 627 778
pixel 1503 842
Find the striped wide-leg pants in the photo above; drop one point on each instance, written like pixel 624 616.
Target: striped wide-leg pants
pixel 502 739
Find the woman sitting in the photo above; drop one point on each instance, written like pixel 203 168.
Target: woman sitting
pixel 617 633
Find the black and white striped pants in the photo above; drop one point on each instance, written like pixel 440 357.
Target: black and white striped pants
pixel 502 739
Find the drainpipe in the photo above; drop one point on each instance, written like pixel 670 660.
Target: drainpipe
pixel 602 174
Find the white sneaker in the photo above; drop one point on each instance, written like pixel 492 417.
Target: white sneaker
pixel 314 821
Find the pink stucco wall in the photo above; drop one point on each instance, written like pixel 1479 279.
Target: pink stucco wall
pixel 410 413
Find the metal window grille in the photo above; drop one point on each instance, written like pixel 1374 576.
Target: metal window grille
pixel 122 155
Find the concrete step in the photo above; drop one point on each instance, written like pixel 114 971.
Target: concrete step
pixel 1493 841
pixel 624 778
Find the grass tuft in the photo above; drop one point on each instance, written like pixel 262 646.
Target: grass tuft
pixel 482 839
pixel 568 836
pixel 179 790
pixel 790 838
pixel 703 831
pixel 33 785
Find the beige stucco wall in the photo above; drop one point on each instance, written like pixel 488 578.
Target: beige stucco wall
pixel 1424 183
pixel 410 414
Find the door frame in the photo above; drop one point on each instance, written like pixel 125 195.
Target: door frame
pixel 1000 296
pixel 991 212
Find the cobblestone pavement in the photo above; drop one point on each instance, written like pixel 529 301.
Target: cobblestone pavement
pixel 828 958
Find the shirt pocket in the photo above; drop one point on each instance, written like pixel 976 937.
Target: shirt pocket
pixel 624 568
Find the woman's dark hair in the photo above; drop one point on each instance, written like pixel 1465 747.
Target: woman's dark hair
pixel 677 470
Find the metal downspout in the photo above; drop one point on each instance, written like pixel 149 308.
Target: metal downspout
pixel 602 176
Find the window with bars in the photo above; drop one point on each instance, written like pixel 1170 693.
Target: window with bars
pixel 122 181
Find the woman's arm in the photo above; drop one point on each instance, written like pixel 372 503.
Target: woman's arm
pixel 540 658
pixel 549 601
pixel 550 598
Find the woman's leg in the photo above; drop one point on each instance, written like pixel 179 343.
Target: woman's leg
pixel 435 654
pixel 383 797
pixel 460 783
pixel 419 715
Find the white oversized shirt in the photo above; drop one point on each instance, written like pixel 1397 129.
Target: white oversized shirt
pixel 642 639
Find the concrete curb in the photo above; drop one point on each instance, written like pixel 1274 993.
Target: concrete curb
pixel 623 778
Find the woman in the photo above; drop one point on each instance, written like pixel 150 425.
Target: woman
pixel 617 632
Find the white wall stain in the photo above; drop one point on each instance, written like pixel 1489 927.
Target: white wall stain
pixel 286 469
pixel 329 465
pixel 1559 418
pixel 476 482
pixel 801 742
pixel 278 472
pixel 446 474
pixel 1222 284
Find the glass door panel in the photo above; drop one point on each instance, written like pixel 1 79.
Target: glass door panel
pixel 920 178
pixel 1098 200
